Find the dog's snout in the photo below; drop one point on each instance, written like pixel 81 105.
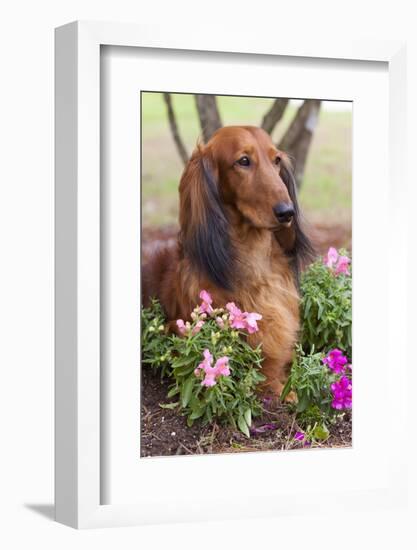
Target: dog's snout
pixel 284 212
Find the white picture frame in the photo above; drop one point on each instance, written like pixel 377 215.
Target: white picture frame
pixel 79 409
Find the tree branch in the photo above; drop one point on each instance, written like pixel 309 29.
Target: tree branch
pixel 174 129
pixel 274 115
pixel 208 114
pixel 297 139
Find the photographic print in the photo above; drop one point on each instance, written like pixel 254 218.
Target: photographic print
pixel 246 274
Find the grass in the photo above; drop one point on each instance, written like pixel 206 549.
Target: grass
pixel 326 190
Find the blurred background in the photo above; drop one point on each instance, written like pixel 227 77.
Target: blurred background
pixel 317 135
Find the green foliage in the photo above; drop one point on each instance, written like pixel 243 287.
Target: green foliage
pixel 233 399
pixel 156 344
pixel 326 309
pixel 310 379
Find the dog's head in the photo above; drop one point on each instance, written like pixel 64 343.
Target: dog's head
pixel 238 175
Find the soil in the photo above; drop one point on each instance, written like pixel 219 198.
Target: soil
pixel 165 432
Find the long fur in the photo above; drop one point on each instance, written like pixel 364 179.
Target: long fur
pixel 204 234
pixel 302 250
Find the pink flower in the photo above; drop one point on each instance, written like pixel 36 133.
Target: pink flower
pixel 197 327
pixel 335 360
pixel 221 368
pixel 342 393
pixel 237 318
pixel 331 257
pixel 181 326
pixel 246 321
pixel 251 324
pixel 338 264
pixel 342 266
pixel 209 380
pixel 207 300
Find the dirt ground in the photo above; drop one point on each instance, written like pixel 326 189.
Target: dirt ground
pixel 165 432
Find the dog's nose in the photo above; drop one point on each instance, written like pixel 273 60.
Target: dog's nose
pixel 283 212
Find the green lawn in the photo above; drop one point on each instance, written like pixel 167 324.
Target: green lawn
pixel 326 189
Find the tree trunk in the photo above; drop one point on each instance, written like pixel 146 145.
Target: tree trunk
pixel 208 114
pixel 297 139
pixel 174 129
pixel 274 115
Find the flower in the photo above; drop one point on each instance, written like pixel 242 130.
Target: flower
pixel 221 368
pixel 342 266
pixel 181 326
pixel 338 264
pixel 251 324
pixel 245 320
pixel 299 436
pixel 335 360
pixel 220 322
pixel 209 380
pixel 342 393
pixel 331 257
pixel 236 316
pixel 197 327
pixel 207 300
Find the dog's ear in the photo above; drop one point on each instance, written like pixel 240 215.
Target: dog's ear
pixel 204 228
pixel 294 239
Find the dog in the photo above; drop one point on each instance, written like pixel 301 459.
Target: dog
pixel 241 238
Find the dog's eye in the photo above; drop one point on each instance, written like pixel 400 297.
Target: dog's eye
pixel 244 161
pixel 277 160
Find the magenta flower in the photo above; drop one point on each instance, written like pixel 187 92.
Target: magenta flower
pixel 299 436
pixel 335 360
pixel 207 300
pixel 342 393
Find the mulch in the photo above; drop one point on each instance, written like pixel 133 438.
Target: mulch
pixel 164 432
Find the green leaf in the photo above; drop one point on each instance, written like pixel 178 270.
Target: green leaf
pixel 248 417
pixel 168 405
pixel 187 391
pixel 173 391
pixel 321 432
pixel 243 427
pixel 198 413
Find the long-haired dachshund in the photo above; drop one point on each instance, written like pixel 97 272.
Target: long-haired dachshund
pixel 240 238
